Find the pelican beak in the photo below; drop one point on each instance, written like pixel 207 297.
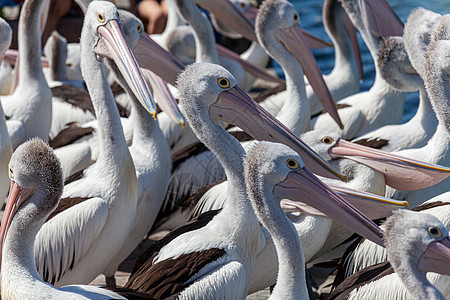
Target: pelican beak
pixel 302 186
pixel 315 42
pixel 400 172
pixel 371 205
pixel 436 258
pixel 152 56
pixel 230 15
pixel 294 41
pixel 121 53
pixel 164 97
pixel 10 57
pixel 380 19
pixel 17 196
pixel 351 31
pixel 248 66
pixel 236 107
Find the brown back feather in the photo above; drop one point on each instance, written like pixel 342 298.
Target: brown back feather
pixel 66 203
pixel 361 278
pixel 147 257
pixel 170 276
pixel 69 135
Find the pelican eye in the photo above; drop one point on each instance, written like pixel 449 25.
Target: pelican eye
pixel 292 163
pixel 327 140
pixel 101 18
pixel 242 5
pixel 223 82
pixel 11 172
pixel 139 28
pixel 434 232
pixel 295 17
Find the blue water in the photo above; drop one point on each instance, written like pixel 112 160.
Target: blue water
pixel 311 19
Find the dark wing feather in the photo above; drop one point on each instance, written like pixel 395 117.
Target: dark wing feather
pixel 148 255
pixel 70 134
pixel 375 143
pixel 170 276
pixel 361 278
pixel 66 203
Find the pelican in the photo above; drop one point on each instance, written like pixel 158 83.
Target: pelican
pixel 5 142
pixel 416 243
pixel 343 80
pixel 151 157
pixel 267 168
pixel 437 149
pixel 29 107
pixel 223 251
pixel 382 104
pixel 36 187
pixel 76 244
pixel 397 70
pixel 85 149
pixel 279 32
pixel 362 253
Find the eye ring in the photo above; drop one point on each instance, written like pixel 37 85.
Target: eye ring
pixel 223 82
pixel 101 18
pixel 434 232
pixel 11 172
pixel 139 28
pixel 292 164
pixel 295 17
pixel 327 140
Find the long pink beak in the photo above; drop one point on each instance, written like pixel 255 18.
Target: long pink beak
pixel 152 56
pixel 381 19
pixel 16 197
pixel 400 172
pixel 371 205
pixel 124 58
pixel 164 97
pixel 436 258
pixel 301 185
pixel 236 107
pixel 228 14
pixel 11 56
pixel 294 41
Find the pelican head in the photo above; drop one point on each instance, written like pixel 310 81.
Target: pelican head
pixel 5 37
pixel 417 35
pixel 219 99
pixel 278 31
pixel 109 41
pixel 34 170
pixel 395 66
pixel 441 31
pixel 276 169
pixel 133 30
pixel 400 172
pixel 420 238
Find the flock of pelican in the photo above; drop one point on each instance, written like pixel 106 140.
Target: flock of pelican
pixel 94 166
